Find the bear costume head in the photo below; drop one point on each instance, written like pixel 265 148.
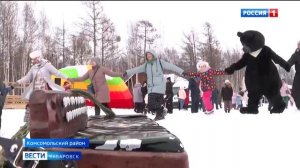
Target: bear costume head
pixel 251 40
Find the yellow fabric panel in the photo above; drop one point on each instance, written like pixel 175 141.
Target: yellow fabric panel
pixel 79 85
pixel 117 88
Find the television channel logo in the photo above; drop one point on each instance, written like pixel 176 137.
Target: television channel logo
pixel 51 155
pixel 35 155
pixel 252 12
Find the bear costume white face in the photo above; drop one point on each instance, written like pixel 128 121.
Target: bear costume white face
pixel 251 40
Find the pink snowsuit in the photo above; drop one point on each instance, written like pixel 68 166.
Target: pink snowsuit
pixel 207 85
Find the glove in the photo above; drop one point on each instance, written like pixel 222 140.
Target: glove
pixel 124 74
pixel 184 73
pixel 287 67
pixel 229 71
pixel 12 87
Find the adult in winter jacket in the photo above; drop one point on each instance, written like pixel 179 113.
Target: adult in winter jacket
pixel 156 82
pixel 3 92
pixel 295 60
pixel 215 98
pixel 138 98
pixel 144 92
pixel 201 103
pixel 227 93
pixel 169 95
pixel 194 88
pixel 187 99
pixel 39 77
pixel 97 77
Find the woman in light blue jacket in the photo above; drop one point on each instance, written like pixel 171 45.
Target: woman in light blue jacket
pixel 156 83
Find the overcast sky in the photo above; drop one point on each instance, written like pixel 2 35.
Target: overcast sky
pixel 173 18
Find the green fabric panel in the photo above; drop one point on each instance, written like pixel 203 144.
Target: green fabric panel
pixel 114 81
pixel 69 72
pixel 72 73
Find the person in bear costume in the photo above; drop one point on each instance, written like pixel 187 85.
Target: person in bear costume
pixel 261 76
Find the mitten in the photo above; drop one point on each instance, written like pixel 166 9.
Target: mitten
pixel 229 71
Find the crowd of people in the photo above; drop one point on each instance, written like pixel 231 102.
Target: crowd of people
pixel 157 93
pixel 227 97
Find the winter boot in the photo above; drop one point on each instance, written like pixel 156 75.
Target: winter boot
pixel 279 108
pixel 247 110
pixel 209 112
pixel 160 115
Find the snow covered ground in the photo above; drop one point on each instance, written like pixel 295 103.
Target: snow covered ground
pixel 221 140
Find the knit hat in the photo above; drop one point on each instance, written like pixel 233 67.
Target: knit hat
pixel 35 54
pixel 227 81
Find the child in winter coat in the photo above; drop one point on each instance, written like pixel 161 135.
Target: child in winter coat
pixel 206 73
pixel 194 87
pixel 3 92
pixel 285 92
pixel 181 97
pixel 67 86
pixel 138 98
pixel 238 101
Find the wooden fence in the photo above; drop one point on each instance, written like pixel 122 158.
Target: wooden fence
pixel 13 99
pixel 14 102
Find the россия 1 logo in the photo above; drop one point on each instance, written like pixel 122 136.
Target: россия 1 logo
pixel 259 12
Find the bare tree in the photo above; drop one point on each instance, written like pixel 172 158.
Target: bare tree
pixel 229 58
pixel 134 47
pixel 109 41
pixel 141 36
pixel 60 38
pixel 190 48
pixel 81 49
pixel 30 28
pixel 171 55
pixel 210 50
pixel 147 32
pixel 92 25
pixel 8 26
pixel 43 32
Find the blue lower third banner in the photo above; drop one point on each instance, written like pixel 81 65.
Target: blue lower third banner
pixel 56 143
pixel 49 155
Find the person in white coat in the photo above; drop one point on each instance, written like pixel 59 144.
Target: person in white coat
pixel 39 77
